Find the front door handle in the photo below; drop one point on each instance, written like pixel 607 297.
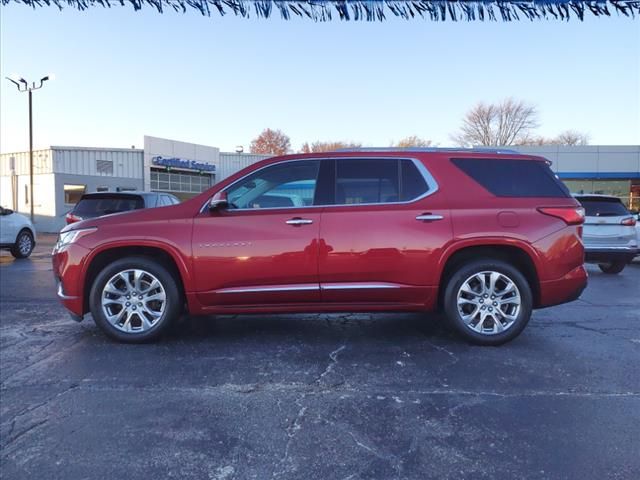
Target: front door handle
pixel 297 221
pixel 428 217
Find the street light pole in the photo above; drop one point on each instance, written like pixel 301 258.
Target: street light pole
pixel 31 156
pixel 23 86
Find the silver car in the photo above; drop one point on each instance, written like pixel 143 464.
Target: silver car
pixel 609 235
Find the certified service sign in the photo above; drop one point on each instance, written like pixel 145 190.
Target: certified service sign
pixel 186 164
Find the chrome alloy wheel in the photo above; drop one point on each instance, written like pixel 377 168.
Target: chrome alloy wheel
pixel 489 302
pixel 25 244
pixel 133 301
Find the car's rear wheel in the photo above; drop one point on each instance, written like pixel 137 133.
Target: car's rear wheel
pixel 134 300
pixel 488 301
pixel 612 267
pixel 24 245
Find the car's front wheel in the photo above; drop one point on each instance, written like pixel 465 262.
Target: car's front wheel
pixel 488 301
pixel 134 300
pixel 612 267
pixel 24 245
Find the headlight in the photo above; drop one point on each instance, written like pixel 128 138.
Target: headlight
pixel 67 238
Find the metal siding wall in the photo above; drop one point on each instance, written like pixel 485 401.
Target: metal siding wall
pixel 593 159
pixel 230 163
pixel 126 163
pixel 41 162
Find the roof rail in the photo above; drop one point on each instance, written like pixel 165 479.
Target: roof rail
pixel 430 149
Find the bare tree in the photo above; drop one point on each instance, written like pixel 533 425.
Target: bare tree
pixel 327 146
pixel 505 123
pixel 572 137
pixel 568 137
pixel 411 141
pixel 271 142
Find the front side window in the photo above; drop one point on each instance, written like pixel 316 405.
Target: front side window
pixel 284 185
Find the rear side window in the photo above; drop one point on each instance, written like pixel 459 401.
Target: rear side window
pixel 513 178
pixel 603 207
pixel 370 181
pixel 367 181
pixel 104 205
pixel 412 184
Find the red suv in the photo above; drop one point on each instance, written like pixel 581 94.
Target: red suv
pixel 484 235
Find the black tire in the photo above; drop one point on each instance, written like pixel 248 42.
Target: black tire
pixel 23 237
pixel 450 301
pixel 612 268
pixel 172 307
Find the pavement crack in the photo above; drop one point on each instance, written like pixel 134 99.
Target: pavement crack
pixel 292 430
pixel 333 361
pixel 453 356
pixel 23 433
pixel 387 457
pixel 28 410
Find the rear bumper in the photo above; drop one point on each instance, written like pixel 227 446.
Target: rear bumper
pixel 563 290
pixel 612 254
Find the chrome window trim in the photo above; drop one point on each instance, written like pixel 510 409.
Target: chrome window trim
pixel 432 184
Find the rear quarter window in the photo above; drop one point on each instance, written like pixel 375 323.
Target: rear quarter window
pixel 513 178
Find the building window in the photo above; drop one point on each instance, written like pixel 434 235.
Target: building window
pixel 617 188
pixel 126 189
pixel 72 193
pixel 183 182
pixel 102 188
pixel 104 167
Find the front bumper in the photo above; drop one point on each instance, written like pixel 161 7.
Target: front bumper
pixel 611 254
pixel 69 275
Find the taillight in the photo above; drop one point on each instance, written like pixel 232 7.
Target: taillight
pixel 570 215
pixel 71 218
pixel 629 222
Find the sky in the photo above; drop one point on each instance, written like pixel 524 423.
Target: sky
pixel 220 81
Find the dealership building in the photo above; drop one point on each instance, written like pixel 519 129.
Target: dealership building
pixel 63 174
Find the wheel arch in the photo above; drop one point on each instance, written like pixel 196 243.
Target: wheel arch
pixel 28 229
pixel 163 254
pixel 521 256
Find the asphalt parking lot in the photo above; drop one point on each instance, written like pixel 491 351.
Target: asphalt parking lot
pixel 319 396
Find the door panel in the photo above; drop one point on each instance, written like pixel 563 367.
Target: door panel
pixel 8 228
pixel 380 253
pixel 256 257
pixel 380 241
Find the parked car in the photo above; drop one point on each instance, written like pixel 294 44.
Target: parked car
pixel 92 205
pixel 484 235
pixel 609 237
pixel 17 233
pixel 638 231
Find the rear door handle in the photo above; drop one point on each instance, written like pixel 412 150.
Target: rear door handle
pixel 428 217
pixel 297 221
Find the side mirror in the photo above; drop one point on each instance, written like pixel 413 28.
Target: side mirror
pixel 218 202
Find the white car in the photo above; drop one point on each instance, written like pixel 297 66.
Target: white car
pixel 609 234
pixel 17 233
